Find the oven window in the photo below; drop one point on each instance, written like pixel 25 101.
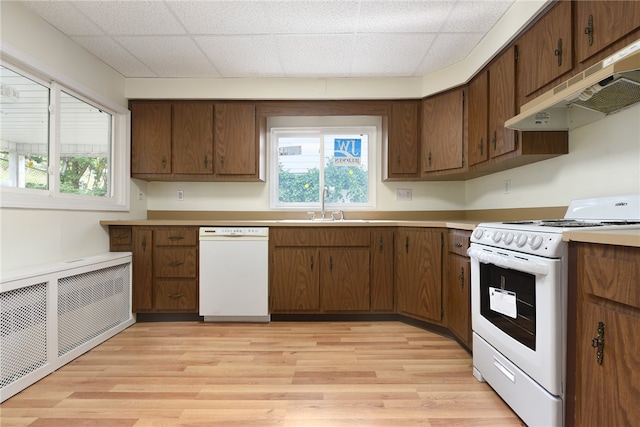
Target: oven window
pixel 518 289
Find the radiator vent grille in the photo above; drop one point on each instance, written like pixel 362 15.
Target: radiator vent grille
pixel 23 332
pixel 90 304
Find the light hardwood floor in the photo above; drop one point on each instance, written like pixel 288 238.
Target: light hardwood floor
pixel 277 374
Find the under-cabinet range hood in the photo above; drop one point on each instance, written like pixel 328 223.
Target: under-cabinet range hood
pixel 602 89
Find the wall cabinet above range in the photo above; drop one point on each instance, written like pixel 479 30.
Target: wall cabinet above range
pixel 194 141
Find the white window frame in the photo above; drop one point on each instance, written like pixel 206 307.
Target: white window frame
pixel 323 125
pixel 119 199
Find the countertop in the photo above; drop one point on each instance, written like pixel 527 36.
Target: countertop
pixel 617 236
pixel 454 224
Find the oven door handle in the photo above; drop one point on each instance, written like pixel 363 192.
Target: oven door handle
pixel 508 262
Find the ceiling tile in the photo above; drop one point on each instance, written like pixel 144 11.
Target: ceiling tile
pixel 316 55
pixel 65 16
pixel 241 56
pixel 380 55
pixel 131 17
pixel 222 17
pixel 312 17
pixel 475 16
pixel 115 55
pixel 170 56
pixel 446 50
pixel 403 16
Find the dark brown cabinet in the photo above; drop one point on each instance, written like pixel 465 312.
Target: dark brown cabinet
pixel 418 272
pixel 502 103
pixel 165 266
pixel 382 251
pixel 478 130
pixel 458 286
pixel 601 23
pixel 545 51
pixel 403 145
pixel 443 132
pixel 194 141
pixel 603 336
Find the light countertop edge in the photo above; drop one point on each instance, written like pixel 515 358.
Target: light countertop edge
pixel 618 236
pixel 458 225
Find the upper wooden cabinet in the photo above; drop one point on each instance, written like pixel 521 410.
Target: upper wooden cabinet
pixel 443 132
pixel 502 103
pixel 403 149
pixel 235 139
pixel 600 23
pixel 192 138
pixel 545 51
pixel 194 141
pixel 478 102
pixel 150 138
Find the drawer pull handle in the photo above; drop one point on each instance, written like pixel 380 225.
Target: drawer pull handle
pixel 174 238
pixel 175 296
pixel 598 343
pixel 175 263
pixel 457 244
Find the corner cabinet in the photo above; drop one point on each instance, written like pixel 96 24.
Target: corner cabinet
pixel 165 266
pixel 603 331
pixel 194 141
pixel 457 282
pixel 418 272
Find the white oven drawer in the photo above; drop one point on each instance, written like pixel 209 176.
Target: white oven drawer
pixel 527 398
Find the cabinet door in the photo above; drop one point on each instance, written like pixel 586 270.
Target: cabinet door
pixel 192 138
pixel 142 270
pixel 294 280
pixel 442 131
pixel 404 144
pixel 502 103
pixel 150 137
pixel 478 142
pixel 419 272
pixel 545 50
pixel 458 305
pixel 345 279
pixel 610 389
pixel 601 23
pixel 235 139
pixel 382 270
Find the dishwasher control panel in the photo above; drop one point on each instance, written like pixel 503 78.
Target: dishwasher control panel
pixel 233 232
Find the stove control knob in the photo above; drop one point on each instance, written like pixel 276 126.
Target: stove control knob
pixel 477 233
pixel 497 235
pixel 508 238
pixel 521 239
pixel 535 242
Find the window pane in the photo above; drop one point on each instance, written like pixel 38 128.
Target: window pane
pixel 346 168
pixel 24 131
pixel 299 169
pixel 85 144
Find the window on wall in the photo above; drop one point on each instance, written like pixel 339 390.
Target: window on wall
pixel 307 159
pixel 58 147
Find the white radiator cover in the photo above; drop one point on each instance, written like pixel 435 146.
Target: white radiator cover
pixel 52 314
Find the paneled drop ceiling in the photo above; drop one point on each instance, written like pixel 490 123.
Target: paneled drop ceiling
pixel 288 38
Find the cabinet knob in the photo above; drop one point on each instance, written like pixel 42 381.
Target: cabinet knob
pixel 598 343
pixel 558 52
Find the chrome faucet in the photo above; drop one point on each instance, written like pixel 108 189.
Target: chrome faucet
pixel 325 194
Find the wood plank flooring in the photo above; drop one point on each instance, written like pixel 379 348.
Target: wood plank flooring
pixel 276 374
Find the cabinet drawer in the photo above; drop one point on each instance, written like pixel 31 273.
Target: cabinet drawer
pixel 611 272
pixel 314 236
pixel 459 242
pixel 175 262
pixel 176 295
pixel 120 235
pixel 176 236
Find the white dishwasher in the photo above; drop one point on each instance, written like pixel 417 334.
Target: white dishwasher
pixel 234 278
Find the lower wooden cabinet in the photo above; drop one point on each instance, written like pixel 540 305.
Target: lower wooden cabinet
pixel 325 270
pixel 457 283
pixel 603 330
pixel 418 272
pixel 165 266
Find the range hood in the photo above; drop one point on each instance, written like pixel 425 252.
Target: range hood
pixel 602 89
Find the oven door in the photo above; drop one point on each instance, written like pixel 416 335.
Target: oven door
pixel 518 306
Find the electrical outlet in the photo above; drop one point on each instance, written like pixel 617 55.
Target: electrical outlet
pixel 507 186
pixel 403 194
pixel 140 194
pixel 180 195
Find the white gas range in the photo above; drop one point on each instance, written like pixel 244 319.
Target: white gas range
pixel 519 303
